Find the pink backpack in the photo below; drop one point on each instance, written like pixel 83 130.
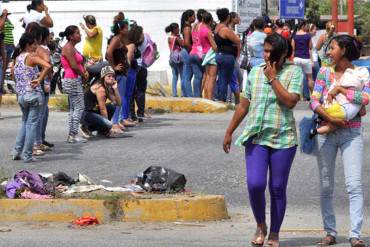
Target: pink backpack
pixel 150 54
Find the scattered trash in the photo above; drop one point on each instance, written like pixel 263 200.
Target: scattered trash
pixel 5 230
pixel 106 181
pixel 29 195
pixel 160 179
pixel 189 224
pixel 86 221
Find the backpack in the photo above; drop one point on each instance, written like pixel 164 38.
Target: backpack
pixel 174 54
pixel 150 54
pixel 160 179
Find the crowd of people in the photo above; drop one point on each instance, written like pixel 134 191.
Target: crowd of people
pixel 106 94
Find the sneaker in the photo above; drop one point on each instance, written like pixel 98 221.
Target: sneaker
pixel 31 160
pixel 76 139
pixel 86 133
pixel 50 145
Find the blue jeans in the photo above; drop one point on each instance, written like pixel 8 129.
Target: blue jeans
pixel 42 122
pixel 96 122
pixel 196 66
pixel 225 69
pixel 350 144
pixel 176 72
pixel 121 79
pixel 31 105
pixel 130 86
pixel 187 74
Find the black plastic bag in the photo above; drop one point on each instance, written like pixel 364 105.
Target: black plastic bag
pixel 160 179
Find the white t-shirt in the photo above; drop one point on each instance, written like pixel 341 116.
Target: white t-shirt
pixel 33 16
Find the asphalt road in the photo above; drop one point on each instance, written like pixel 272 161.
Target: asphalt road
pixel 190 144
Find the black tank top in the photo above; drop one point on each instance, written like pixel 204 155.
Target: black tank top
pixel 225 45
pixel 90 100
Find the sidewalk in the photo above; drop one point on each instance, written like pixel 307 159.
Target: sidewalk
pixel 235 232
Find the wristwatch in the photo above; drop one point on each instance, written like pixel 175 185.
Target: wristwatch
pixel 270 81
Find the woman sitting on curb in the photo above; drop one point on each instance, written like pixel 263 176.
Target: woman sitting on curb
pixel 98 118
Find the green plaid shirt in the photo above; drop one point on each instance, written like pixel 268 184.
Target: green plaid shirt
pixel 270 123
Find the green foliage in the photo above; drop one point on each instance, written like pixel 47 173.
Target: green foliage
pixel 315 8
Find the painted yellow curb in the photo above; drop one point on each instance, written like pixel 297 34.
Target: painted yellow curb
pixel 166 104
pixel 179 208
pixel 179 104
pixel 198 208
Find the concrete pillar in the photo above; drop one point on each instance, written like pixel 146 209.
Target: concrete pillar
pixel 334 13
pixel 351 17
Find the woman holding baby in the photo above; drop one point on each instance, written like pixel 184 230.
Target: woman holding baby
pixel 340 94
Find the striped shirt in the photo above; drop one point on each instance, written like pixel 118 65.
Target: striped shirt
pixel 8 33
pixel 325 78
pixel 269 122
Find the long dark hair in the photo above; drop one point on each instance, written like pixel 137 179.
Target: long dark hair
pixel 351 45
pixel 279 46
pixel 135 34
pixel 42 34
pixel 70 30
pixel 172 27
pixel 26 39
pixel 34 4
pixel 185 17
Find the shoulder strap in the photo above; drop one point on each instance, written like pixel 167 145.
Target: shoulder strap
pixel 173 42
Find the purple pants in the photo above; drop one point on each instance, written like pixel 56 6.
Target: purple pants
pixel 260 160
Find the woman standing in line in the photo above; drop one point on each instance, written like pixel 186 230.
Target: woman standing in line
pixel 342 50
pixel 74 75
pixel 117 57
pixel 29 92
pixel 175 43
pixel 187 19
pixel 92 49
pixel 228 45
pixel 270 137
pixel 135 38
pixel 209 48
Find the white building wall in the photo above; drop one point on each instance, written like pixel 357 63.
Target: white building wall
pixel 153 15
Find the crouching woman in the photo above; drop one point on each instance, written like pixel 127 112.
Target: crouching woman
pixel 98 113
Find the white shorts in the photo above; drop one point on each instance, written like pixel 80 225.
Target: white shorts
pixel 305 63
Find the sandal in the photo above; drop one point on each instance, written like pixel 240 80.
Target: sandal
pixel 327 240
pixel 355 242
pixel 259 237
pixel 273 240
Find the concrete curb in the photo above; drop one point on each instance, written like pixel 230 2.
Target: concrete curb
pixel 178 208
pixel 164 104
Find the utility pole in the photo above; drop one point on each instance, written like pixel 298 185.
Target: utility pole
pixel 334 13
pixel 351 17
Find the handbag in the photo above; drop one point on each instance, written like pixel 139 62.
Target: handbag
pixel 305 127
pixel 175 54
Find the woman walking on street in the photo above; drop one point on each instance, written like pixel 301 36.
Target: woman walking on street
pixel 74 75
pixel 342 50
pixel 29 92
pixel 302 47
pixel 270 137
